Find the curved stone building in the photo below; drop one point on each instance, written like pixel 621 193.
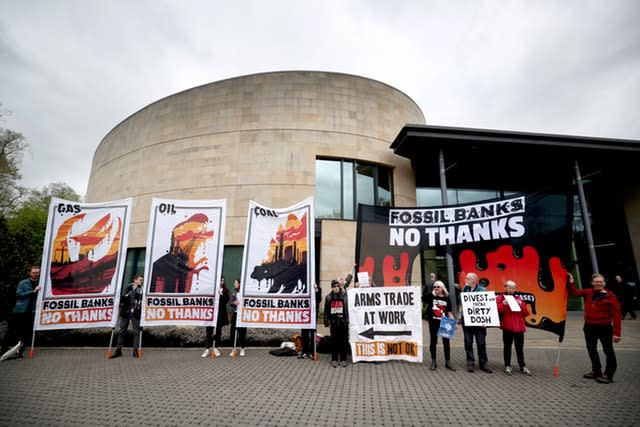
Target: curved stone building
pixel 275 138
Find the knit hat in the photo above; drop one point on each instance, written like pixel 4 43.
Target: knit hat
pixel 334 283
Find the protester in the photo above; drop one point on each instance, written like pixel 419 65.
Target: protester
pixel 336 317
pixel 627 295
pixel 438 306
pixel 20 325
pixel 602 322
pixel 513 326
pixel 479 333
pixel 221 321
pixel 242 332
pixel 346 281
pixel 130 309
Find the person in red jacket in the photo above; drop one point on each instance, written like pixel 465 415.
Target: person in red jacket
pixel 601 322
pixel 512 310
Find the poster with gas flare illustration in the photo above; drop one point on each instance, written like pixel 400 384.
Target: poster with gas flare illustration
pixel 183 262
pixel 82 264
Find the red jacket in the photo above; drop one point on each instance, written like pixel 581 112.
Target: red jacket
pixel 604 310
pixel 512 320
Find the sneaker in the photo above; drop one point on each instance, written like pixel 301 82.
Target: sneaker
pixel 216 352
pixel 242 352
pixel 508 370
pixel 205 353
pixel 470 368
pixel 334 363
pixel 11 352
pixel 302 356
pixel 603 379
pixel 525 371
pixel 590 375
pixel 344 363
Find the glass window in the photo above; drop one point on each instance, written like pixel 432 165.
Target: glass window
pixel 342 184
pixel 328 183
pixel 365 188
pixel 347 191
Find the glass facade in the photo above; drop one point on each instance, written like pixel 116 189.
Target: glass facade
pixel 342 184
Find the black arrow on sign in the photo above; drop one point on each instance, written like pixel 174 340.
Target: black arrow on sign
pixel 370 333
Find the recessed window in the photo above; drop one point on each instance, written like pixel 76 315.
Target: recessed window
pixel 342 184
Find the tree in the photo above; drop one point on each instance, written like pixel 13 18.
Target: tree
pixel 12 146
pixel 22 237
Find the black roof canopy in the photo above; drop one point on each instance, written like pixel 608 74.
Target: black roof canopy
pixel 482 158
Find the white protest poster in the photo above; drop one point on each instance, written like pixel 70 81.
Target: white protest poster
pixel 480 309
pixel 363 279
pixel 278 268
pixel 513 304
pixel 183 263
pixel 385 323
pixel 83 262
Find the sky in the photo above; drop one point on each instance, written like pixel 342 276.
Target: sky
pixel 70 71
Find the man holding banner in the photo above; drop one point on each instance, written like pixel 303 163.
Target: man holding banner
pixel 479 333
pixel 21 321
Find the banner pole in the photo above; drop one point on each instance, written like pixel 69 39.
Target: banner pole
pixel 140 343
pixel 110 343
pixel 315 341
pixel 234 352
pixel 33 341
pixel 556 369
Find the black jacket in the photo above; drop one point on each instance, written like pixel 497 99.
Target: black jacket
pixel 135 292
pixel 336 312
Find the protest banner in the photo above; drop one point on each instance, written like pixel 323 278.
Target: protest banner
pixel 525 238
pixel 83 261
pixel 183 262
pixel 385 324
pixel 278 268
pixel 480 309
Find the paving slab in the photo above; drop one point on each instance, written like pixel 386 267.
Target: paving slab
pixel 175 387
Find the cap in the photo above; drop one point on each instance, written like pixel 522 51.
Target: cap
pixel 334 283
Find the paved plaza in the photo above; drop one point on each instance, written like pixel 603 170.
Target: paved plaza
pixel 175 387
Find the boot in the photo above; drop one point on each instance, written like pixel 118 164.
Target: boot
pixel 448 365
pixel 136 353
pixel 434 365
pixel 116 353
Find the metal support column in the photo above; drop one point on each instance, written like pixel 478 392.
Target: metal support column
pixel 585 219
pixel 445 202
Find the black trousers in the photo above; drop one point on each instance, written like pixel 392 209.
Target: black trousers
pixel 604 334
pixel 434 325
pixel 480 335
pixel 339 342
pixel 307 336
pixel 510 338
pixel 242 332
pixel 20 328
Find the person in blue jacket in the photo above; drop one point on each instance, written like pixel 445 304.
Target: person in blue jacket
pixel 21 320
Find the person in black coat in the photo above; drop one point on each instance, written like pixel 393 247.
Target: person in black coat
pixel 221 321
pixel 336 317
pixel 130 310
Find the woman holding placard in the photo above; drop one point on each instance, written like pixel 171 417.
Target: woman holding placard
pixel 512 310
pixel 438 306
